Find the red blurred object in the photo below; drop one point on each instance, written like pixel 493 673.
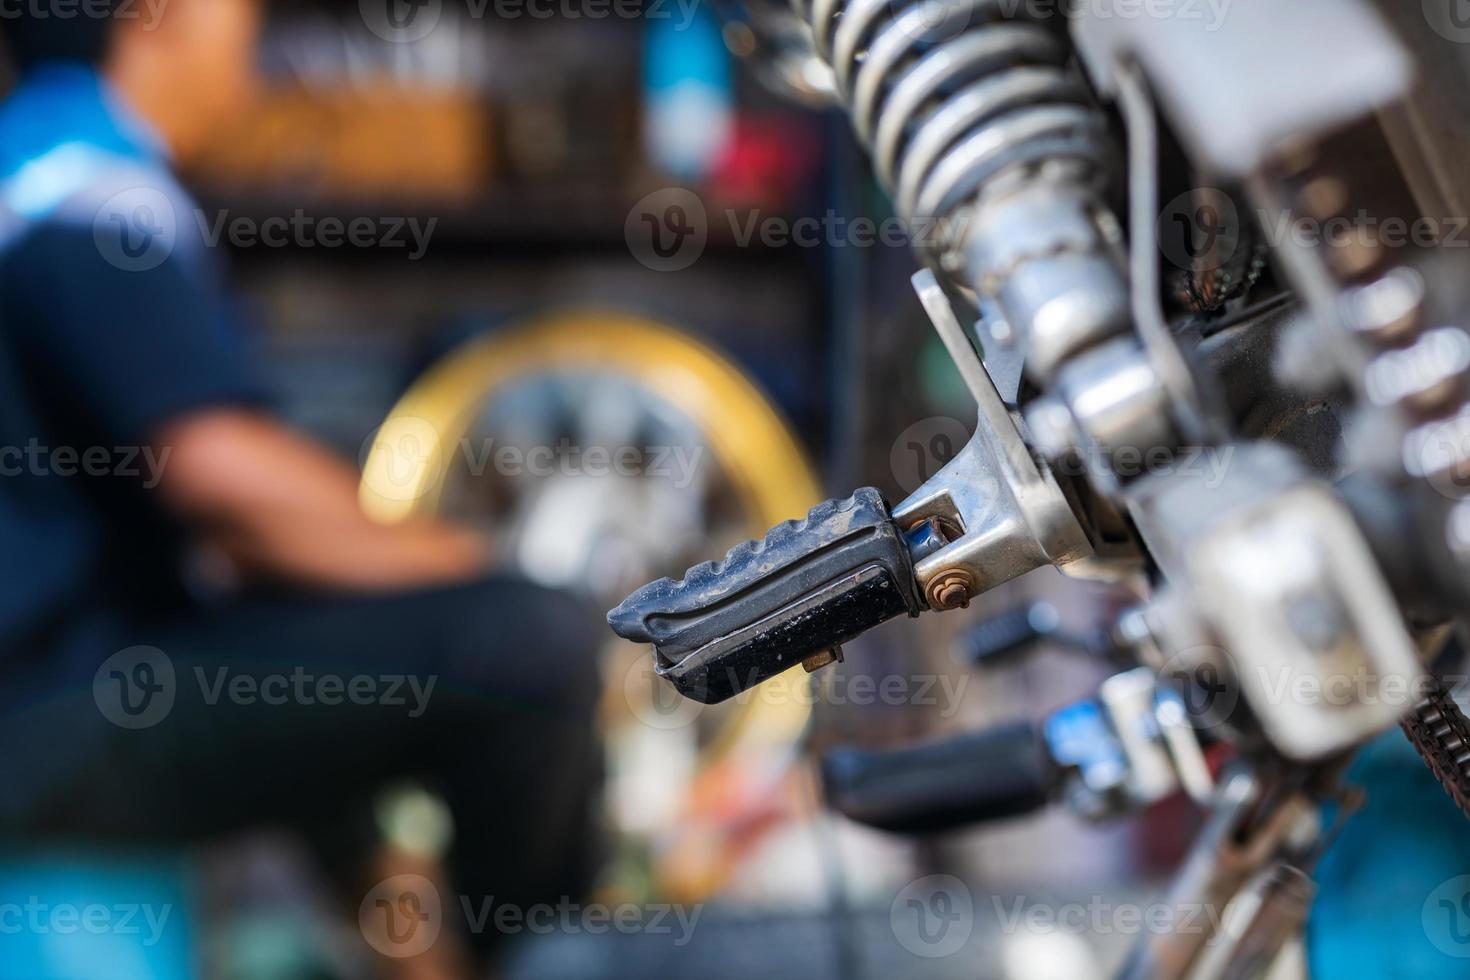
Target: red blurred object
pixel 768 162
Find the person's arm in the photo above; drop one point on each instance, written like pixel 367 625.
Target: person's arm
pixel 146 359
pixel 283 508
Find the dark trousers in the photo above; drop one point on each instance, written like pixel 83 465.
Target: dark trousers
pixel 296 713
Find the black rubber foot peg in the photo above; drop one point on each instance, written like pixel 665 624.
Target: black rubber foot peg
pixel 943 785
pixel 805 588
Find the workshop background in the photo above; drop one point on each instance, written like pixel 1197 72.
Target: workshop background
pixel 517 168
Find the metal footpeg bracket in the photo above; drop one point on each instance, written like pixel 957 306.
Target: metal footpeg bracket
pixel 1009 514
pixel 795 596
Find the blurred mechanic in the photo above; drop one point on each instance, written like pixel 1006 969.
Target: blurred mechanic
pixel 134 432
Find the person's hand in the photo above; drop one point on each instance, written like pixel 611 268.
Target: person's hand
pixel 282 507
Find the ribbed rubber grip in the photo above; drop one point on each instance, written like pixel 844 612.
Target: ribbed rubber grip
pixel 935 786
pixel 806 587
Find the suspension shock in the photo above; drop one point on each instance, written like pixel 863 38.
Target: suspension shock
pixel 993 153
pixel 988 143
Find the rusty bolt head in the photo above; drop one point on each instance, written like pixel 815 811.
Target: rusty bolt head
pixel 817 661
pixel 950 590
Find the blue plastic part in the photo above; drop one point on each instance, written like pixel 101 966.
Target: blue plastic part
pixel 81 918
pixel 689 86
pixel 1394 890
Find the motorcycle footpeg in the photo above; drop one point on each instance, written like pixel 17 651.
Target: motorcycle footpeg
pixel 943 785
pixel 804 589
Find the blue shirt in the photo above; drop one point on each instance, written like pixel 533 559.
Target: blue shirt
pixel 111 325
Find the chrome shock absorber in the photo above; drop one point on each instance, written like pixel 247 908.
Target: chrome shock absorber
pixel 988 144
pixel 991 150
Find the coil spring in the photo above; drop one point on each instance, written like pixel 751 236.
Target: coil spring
pixel 954 97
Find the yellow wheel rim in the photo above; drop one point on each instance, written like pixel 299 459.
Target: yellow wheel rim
pixel 405 471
